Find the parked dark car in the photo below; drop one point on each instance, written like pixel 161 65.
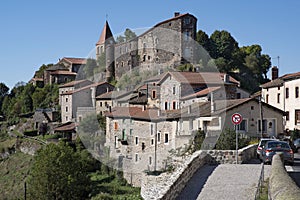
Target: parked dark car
pixel 261 145
pixel 273 147
pixel 297 144
pixel 288 140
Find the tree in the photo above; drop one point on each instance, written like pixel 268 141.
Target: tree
pixel 227 140
pixel 203 39
pixel 128 35
pixel 91 65
pixel 58 173
pixel 3 92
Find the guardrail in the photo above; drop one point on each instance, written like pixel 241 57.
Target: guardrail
pixel 281 185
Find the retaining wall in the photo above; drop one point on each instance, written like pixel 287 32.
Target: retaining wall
pixel 281 185
pixel 169 185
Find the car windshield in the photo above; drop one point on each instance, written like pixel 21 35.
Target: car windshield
pixel 278 145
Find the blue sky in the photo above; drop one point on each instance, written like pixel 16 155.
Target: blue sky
pixel 40 32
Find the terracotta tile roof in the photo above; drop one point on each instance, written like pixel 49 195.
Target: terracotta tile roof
pixel 174 18
pixel 73 83
pixel 79 61
pixel 69 126
pixel 63 72
pixel 105 34
pixel 57 67
pixel 199 77
pixel 84 88
pixel 154 114
pixel 113 95
pixel 279 81
pixel 139 99
pixel 201 93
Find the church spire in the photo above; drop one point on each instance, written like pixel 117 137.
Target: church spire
pixel 105 34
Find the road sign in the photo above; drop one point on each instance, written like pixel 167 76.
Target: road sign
pixel 236 118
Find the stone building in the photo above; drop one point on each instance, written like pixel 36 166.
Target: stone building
pixel 283 93
pixel 81 97
pixel 168 43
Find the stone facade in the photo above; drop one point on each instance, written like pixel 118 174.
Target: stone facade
pixel 168 43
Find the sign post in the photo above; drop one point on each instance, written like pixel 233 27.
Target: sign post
pixel 236 119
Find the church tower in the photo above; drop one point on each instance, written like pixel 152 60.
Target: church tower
pixel 106 46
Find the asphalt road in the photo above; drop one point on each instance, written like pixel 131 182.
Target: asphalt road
pixel 294 171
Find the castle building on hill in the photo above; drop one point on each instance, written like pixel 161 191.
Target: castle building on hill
pixel 168 43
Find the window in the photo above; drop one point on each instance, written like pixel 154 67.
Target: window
pixel 136 140
pixel 67 109
pixel 136 157
pixel 116 126
pixel 287 115
pixel 174 105
pixel 297 117
pixel 150 160
pixel 67 99
pixel 267 98
pixel 130 131
pixel 174 90
pixel 67 118
pixel 286 93
pixel 151 129
pixel 158 137
pixel 124 135
pixel 264 125
pixel 190 124
pixel 186 35
pixel 238 95
pixel 144 45
pixel 144 58
pixel 166 138
pixel 143 146
pixel 166 105
pixel 80 118
pixel 297 92
pixel 152 142
pixel 149 57
pixel 187 21
pixel 278 98
pixel 278 88
pixel 252 107
pixel 242 126
pixel 100 103
pixel 154 94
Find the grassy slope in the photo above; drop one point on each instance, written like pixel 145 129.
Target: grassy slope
pixel 13 172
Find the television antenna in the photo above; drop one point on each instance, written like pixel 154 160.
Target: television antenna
pixel 277 57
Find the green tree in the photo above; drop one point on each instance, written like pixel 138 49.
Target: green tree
pixel 203 39
pixel 227 140
pixel 129 34
pixel 89 68
pixel 58 173
pixel 3 92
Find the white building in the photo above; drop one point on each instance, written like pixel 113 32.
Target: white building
pixel 283 93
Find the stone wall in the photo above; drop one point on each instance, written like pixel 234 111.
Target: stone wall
pixel 169 185
pixel 281 185
pixel 229 156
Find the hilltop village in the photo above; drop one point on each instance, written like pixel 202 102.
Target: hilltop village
pixel 161 112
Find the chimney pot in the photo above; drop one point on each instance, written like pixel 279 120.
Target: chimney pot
pixel 176 14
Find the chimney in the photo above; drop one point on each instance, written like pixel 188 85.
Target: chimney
pixel 176 14
pixel 274 72
pixel 226 78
